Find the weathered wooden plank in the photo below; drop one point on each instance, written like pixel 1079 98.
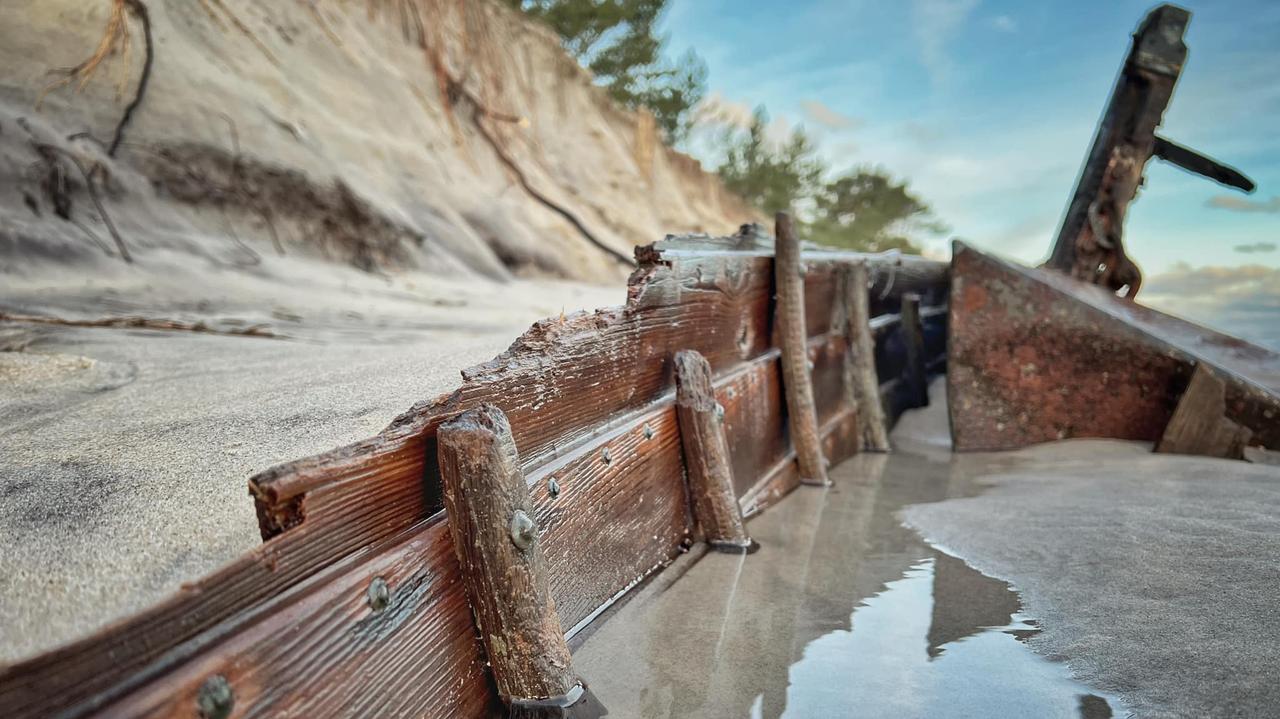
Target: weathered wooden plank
pixel 915 371
pixel 706 457
pixel 323 650
pixel 859 365
pixel 326 516
pixel 613 519
pixel 792 337
pixel 499 550
pixel 1035 356
pixel 1199 425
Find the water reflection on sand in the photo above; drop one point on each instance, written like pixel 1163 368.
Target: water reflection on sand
pixel 843 612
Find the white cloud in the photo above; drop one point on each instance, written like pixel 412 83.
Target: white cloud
pixel 936 23
pixel 1242 301
pixel 1240 204
pixel 823 115
pixel 1256 247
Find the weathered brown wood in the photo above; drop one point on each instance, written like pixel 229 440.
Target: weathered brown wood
pixel 706 456
pixel 892 273
pixel 1090 245
pixel 499 550
pixel 326 650
pixel 915 373
pixel 574 386
pixel 797 388
pixel 861 381
pixel 1199 424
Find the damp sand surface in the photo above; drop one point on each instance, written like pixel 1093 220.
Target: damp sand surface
pixel 1053 588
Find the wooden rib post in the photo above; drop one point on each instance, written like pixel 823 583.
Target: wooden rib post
pixel 503 568
pixel 706 457
pixel 861 360
pixel 792 336
pixel 915 372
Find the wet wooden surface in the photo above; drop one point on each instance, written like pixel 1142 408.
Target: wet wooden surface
pixel 289 626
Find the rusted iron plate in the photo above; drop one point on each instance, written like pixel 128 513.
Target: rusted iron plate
pixel 1036 356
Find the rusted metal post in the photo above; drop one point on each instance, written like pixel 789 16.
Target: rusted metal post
pixel 915 372
pixel 860 360
pixel 788 275
pixel 706 457
pixel 1089 245
pixel 496 540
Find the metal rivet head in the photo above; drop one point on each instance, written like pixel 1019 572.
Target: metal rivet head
pixel 378 594
pixel 215 699
pixel 648 431
pixel 719 412
pixel 553 487
pixel 606 456
pixel 523 530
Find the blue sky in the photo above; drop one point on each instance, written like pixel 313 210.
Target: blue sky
pixel 988 107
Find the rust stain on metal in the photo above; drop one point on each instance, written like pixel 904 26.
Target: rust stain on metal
pixel 1036 357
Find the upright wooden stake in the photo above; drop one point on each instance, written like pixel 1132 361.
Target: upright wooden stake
pixel 496 540
pixel 803 415
pixel 915 372
pixel 860 361
pixel 706 457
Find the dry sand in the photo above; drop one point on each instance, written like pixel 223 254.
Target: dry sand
pixel 124 453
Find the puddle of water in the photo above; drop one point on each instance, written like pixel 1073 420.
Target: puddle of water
pixel 843 612
pixel 921 650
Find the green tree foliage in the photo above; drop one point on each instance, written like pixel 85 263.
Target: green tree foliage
pixel 766 175
pixel 617 41
pixel 864 209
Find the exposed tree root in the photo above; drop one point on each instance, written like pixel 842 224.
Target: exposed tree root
pixel 141 11
pixel 479 111
pixel 144 323
pixel 50 153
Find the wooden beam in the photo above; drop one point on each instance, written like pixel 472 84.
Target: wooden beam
pixel 706 457
pixel 336 522
pixel 797 386
pixel 915 371
pixel 491 519
pixel 1199 424
pixel 860 361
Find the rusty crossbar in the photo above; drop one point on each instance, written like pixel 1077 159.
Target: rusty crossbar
pixel 355 603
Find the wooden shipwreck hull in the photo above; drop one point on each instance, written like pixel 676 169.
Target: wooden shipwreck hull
pixel 355 605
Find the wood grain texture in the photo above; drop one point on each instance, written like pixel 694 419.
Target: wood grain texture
pixel 915 373
pixel 859 367
pixel 281 623
pixel 1199 424
pixel 792 338
pixel 500 558
pixel 706 454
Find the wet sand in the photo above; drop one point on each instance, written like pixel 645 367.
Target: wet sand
pixel 847 612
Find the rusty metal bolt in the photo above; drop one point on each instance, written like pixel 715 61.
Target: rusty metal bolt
pixel 215 700
pixel 553 487
pixel 523 530
pixel 379 594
